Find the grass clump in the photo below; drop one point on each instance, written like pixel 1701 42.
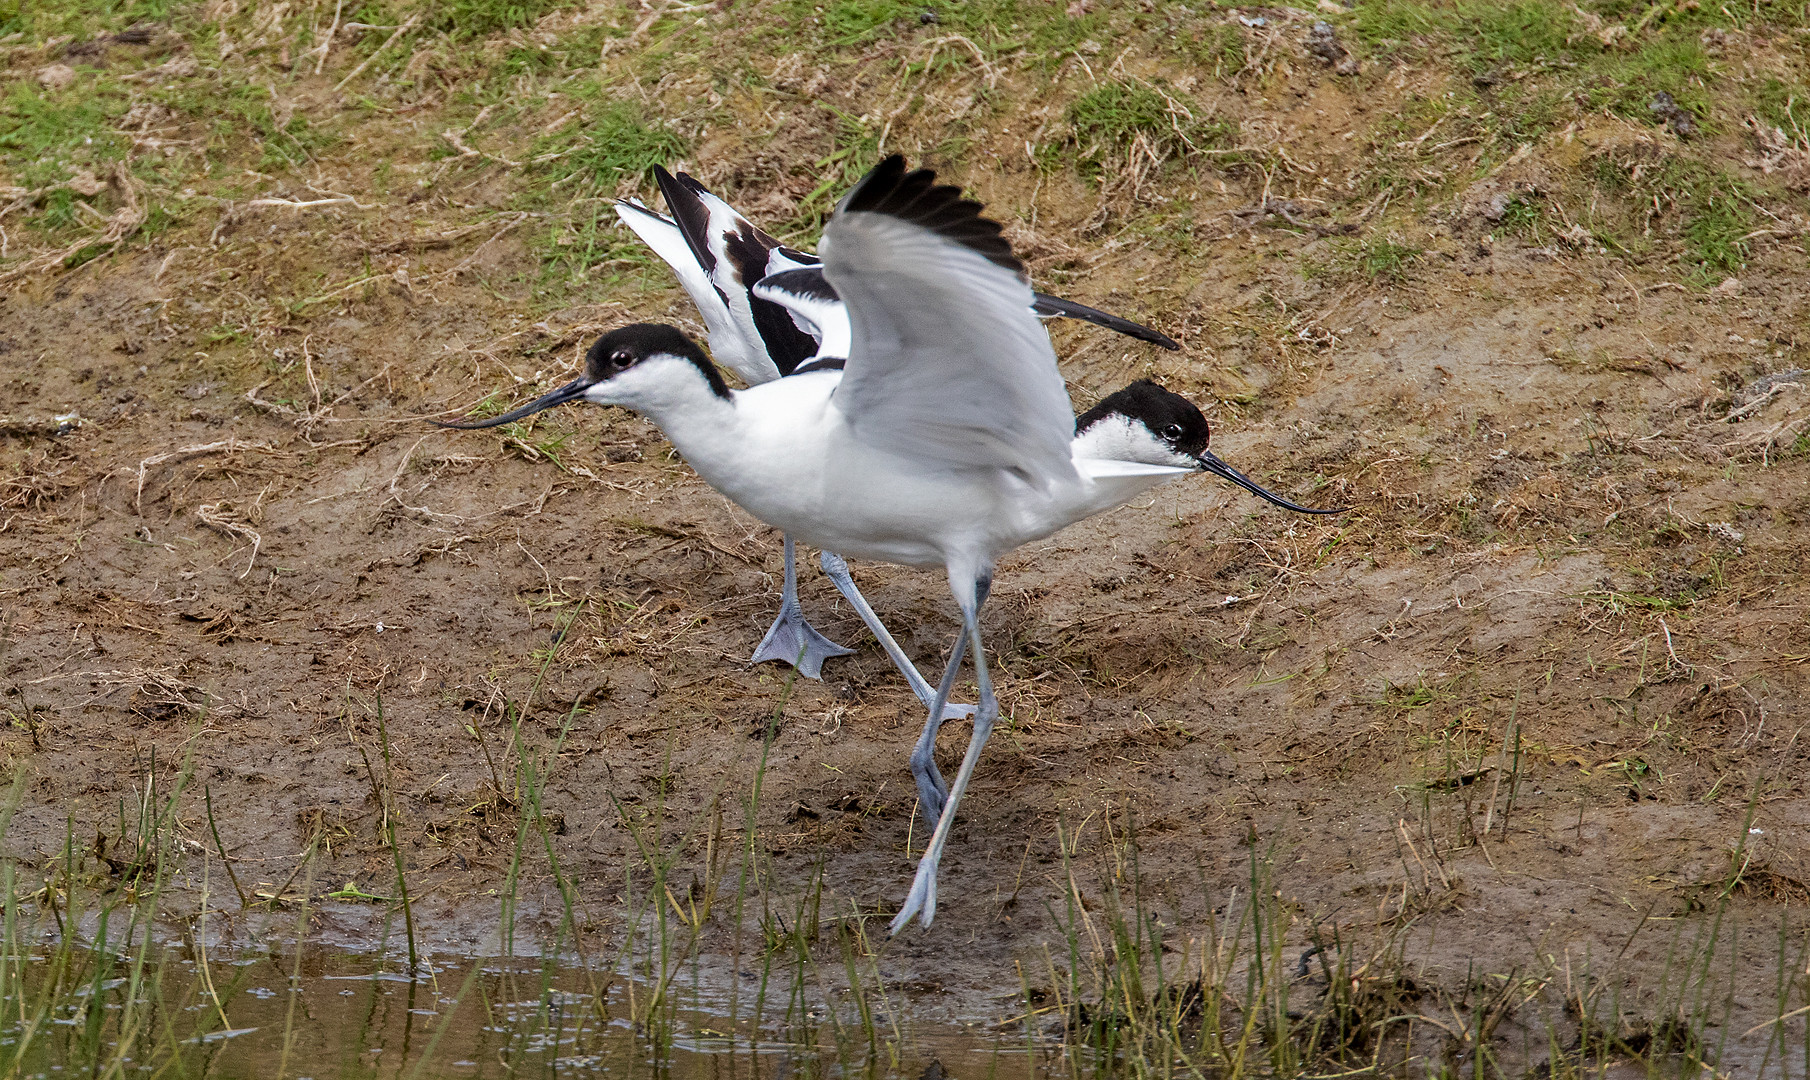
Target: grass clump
pixel 1520 33
pixel 77 18
pixel 1104 121
pixel 619 140
pixel 1672 63
pixel 1716 240
pixel 1387 24
pixel 1043 32
pixel 1784 106
pixel 1220 49
pixel 1711 210
pixel 1524 215
pixel 850 21
pixel 1381 259
pixel 856 150
pixel 467 19
pixel 1117 122
pixel 47 139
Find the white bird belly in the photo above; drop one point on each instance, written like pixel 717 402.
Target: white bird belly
pixel 791 460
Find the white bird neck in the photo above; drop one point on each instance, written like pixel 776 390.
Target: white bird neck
pixel 676 394
pixel 1117 437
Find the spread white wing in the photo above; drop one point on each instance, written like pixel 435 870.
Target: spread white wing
pixel 947 364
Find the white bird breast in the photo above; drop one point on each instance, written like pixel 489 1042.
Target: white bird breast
pixel 785 453
pixel 788 456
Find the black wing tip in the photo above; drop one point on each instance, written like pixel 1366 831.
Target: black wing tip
pixel 916 197
pixel 671 187
pixel 1056 306
pixel 689 214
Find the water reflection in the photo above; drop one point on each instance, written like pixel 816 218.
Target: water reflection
pixel 317 1015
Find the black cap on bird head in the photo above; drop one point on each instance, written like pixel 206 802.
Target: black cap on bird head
pixel 626 346
pixel 609 356
pixel 1178 423
pixel 1169 416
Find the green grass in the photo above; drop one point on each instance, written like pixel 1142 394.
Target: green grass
pixel 616 139
pixel 1673 61
pixel 1715 236
pixel 589 249
pixel 466 19
pixel 1516 117
pixel 577 170
pixel 1783 105
pixel 1107 117
pixel 47 137
pixel 1044 32
pixel 849 21
pixel 1106 121
pixel 1524 216
pixel 1519 33
pixel 1710 209
pixel 78 18
pixel 1388 24
pixel 856 149
pixel 1378 258
pixel 1220 49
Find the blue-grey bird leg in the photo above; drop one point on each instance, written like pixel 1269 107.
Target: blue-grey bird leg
pixel 933 793
pixel 792 640
pixel 837 571
pixel 920 902
pixel 932 789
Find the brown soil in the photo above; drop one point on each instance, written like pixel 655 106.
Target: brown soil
pixel 1572 523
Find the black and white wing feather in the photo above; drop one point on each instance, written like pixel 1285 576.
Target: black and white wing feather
pixel 807 294
pixel 946 364
pixel 667 240
pixel 735 254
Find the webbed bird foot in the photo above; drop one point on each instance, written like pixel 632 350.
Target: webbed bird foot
pixel 792 640
pixel 920 902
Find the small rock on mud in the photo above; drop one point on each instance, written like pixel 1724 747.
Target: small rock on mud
pixel 55 76
pixel 1674 116
pixel 1323 42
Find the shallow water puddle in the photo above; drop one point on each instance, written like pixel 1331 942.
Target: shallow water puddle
pixel 72 1012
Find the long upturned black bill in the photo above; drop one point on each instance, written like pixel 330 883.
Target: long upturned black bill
pixel 572 391
pixel 1211 462
pixel 1049 306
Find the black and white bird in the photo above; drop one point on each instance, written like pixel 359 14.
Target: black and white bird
pixel 794 321
pixel 946 439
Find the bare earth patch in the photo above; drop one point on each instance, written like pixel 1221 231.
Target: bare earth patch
pixel 1534 704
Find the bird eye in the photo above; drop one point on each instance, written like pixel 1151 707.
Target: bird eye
pixel 621 359
pixel 1173 432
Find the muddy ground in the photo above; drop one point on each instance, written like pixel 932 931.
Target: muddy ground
pixel 1578 529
